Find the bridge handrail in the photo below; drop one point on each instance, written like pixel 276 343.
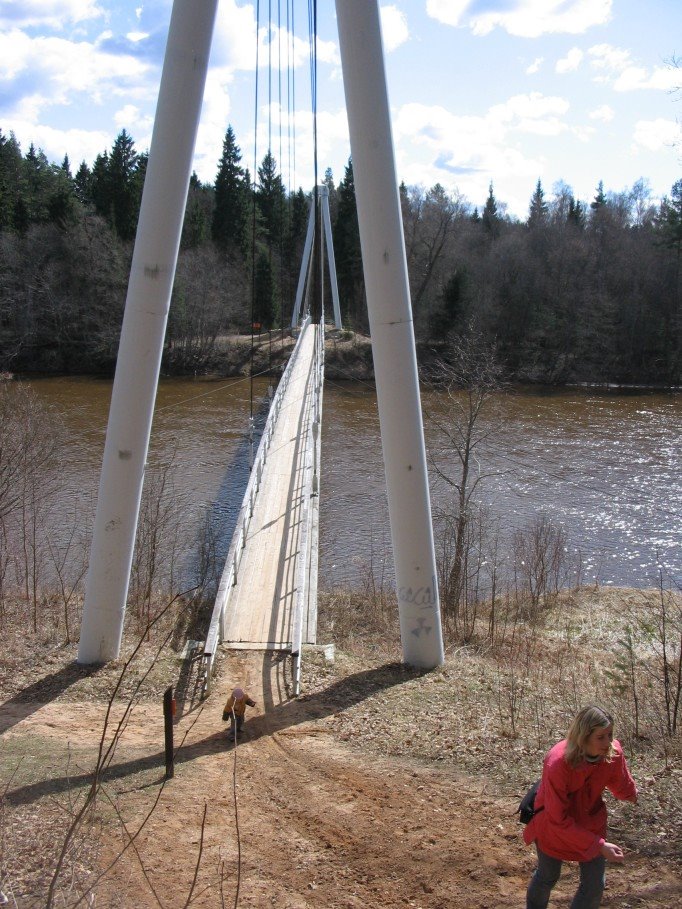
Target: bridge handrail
pixel 310 490
pixel 228 579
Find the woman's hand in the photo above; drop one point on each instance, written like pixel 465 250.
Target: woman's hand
pixel 612 853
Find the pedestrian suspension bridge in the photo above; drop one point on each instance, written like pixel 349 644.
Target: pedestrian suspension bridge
pixel 267 597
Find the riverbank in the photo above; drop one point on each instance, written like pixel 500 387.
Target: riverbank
pixel 348 356
pixel 415 775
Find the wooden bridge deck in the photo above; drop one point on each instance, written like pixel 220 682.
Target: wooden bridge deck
pixel 260 610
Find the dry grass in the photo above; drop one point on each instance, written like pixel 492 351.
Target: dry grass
pixel 488 715
pixel 493 711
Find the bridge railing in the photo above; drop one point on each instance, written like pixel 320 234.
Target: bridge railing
pixel 306 567
pixel 228 579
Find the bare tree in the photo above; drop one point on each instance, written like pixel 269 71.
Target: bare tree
pixel 30 436
pixel 158 541
pixel 470 377
pixel 540 563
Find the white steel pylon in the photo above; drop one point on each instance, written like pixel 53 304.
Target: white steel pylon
pixel 390 317
pixel 144 325
pixel 306 264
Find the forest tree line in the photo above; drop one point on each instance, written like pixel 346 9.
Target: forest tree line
pixel 579 291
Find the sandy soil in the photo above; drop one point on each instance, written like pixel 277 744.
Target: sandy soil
pixel 297 815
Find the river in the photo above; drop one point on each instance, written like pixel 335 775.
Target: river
pixel 603 465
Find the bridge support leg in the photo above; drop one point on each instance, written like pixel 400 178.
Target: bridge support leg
pixel 144 325
pixel 390 317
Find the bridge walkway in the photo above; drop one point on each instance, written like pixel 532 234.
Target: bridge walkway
pixel 262 602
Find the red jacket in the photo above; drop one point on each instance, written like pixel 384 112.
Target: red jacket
pixel 572 824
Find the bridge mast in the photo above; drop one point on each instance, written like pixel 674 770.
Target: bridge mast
pixel 391 327
pixel 144 325
pixel 323 202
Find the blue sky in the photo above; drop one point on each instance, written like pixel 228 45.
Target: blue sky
pixel 504 90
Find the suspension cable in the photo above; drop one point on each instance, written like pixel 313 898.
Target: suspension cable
pixel 254 203
pixel 312 28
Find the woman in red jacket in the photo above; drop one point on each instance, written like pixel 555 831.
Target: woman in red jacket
pixel 570 815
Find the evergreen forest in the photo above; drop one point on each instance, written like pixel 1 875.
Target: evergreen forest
pixel 581 291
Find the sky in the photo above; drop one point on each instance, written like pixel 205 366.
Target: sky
pixel 481 91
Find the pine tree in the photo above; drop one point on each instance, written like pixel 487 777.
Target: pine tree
pixel 490 218
pixel 11 165
pixel 100 187
pixel 538 210
pixel 669 221
pixel 347 253
pixel 37 182
pixel 576 213
pixel 270 198
pixel 599 200
pixel 197 214
pixel 333 194
pixel 264 309
pixel 82 184
pixel 230 207
pixel 124 186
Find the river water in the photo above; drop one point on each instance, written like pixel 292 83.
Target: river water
pixel 605 466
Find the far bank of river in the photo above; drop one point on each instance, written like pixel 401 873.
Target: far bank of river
pixel 605 465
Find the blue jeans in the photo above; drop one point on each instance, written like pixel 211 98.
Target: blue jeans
pixel 589 893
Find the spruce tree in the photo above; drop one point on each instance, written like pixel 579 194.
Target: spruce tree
pixel 82 184
pixel 37 184
pixel 230 206
pixel 576 213
pixel 347 253
pixel 270 198
pixel 11 165
pixel 100 186
pixel 538 210
pixel 490 218
pixel 264 308
pixel 124 186
pixel 599 200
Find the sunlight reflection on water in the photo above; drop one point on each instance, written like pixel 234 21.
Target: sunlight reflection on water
pixel 605 467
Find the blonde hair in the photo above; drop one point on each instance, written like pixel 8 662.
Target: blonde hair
pixel 582 727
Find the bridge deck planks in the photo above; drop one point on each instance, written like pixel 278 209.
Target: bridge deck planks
pixel 260 611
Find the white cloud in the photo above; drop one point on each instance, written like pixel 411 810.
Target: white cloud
pixel 46 13
pixel 234 43
pixel 449 12
pixel 656 135
pixel 527 19
pixel 65 69
pixel 603 113
pixel 636 77
pixel 609 58
pixel 394 28
pixel 570 62
pixel 136 124
pixel 470 149
pixel 530 108
pixel 614 67
pixel 535 66
pixel 78 144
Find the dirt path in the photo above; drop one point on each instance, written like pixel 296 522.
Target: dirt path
pixel 295 818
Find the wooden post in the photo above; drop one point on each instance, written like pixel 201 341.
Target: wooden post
pixel 168 714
